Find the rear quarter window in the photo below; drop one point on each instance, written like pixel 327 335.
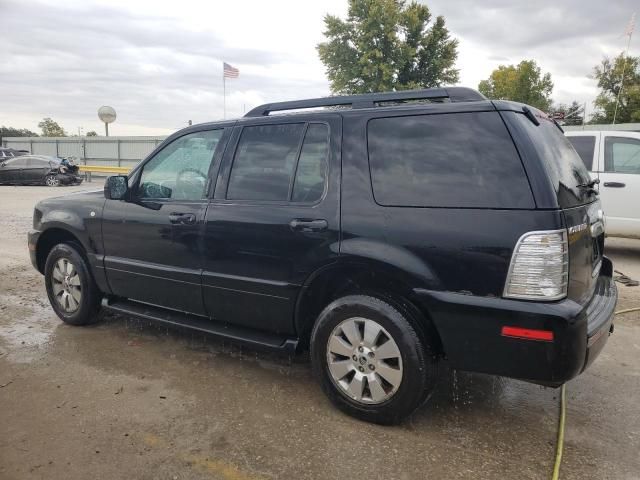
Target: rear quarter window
pixel 464 160
pixel 561 163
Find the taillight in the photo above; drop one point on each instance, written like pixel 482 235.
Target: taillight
pixel 539 267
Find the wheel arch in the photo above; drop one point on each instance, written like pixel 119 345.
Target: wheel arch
pixel 362 277
pixel 52 237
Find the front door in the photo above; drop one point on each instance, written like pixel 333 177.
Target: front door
pixel 620 183
pixel 152 242
pixel 273 221
pixel 11 170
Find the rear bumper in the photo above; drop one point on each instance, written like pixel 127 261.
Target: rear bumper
pixel 470 328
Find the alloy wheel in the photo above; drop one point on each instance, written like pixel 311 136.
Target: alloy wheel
pixel 66 285
pixel 52 181
pixel 364 360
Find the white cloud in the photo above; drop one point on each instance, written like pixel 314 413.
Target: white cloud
pixel 160 63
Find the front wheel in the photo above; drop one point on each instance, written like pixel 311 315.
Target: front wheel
pixel 52 181
pixel 72 291
pixel 370 360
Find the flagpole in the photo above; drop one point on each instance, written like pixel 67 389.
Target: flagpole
pixel 224 95
pixel 624 65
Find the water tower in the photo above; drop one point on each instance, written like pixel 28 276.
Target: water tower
pixel 107 115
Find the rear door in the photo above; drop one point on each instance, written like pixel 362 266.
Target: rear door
pixel 35 170
pixel 274 220
pixel 619 172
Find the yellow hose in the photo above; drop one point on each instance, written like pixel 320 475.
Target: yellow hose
pixel 563 413
pixel 560 444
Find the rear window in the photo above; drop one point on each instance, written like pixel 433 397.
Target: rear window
pixel 563 165
pixel 584 146
pixel 463 160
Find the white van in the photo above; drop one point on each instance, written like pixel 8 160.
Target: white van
pixel 614 158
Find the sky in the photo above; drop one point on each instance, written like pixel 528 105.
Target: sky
pixel 159 64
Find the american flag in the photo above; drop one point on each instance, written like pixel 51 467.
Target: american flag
pixel 230 72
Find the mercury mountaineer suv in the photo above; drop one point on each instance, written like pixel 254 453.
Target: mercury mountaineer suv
pixel 383 232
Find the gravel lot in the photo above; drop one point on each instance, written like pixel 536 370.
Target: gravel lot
pixel 125 399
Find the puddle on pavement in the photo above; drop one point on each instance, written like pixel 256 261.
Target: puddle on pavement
pixel 24 340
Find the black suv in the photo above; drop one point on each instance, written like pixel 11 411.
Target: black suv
pixel 384 232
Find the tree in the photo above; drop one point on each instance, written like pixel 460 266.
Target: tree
pixel 50 128
pixel 386 45
pixel 15 132
pixel 92 133
pixel 521 83
pixel 609 76
pixel 573 114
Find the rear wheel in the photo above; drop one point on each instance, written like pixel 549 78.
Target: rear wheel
pixel 370 360
pixel 72 292
pixel 52 181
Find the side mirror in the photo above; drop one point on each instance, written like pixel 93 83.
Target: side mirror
pixel 116 187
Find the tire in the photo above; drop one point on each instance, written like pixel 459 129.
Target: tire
pixel 413 359
pixel 72 292
pixel 51 181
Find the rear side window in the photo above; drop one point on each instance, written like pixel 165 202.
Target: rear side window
pixel 621 155
pixel 446 160
pixel 264 162
pixel 275 163
pixel 37 163
pixel 584 146
pixel 311 173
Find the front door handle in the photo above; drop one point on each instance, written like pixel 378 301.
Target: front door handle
pixel 308 225
pixel 615 184
pixel 182 218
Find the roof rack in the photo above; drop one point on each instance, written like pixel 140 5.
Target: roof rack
pixel 369 100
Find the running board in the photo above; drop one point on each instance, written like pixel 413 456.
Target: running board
pixel 174 318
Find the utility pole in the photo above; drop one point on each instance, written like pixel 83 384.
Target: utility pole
pixel 628 32
pixel 79 143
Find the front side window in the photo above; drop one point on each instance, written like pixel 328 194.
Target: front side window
pixel 181 169
pixel 17 163
pixel 584 146
pixel 622 155
pixel 269 156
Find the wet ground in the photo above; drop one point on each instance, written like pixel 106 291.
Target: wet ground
pixel 125 399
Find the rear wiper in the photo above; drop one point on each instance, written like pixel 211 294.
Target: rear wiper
pixel 590 184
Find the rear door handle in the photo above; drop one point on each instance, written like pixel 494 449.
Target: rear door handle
pixel 182 218
pixel 308 225
pixel 614 184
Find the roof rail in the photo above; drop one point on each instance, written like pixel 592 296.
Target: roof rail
pixel 369 100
